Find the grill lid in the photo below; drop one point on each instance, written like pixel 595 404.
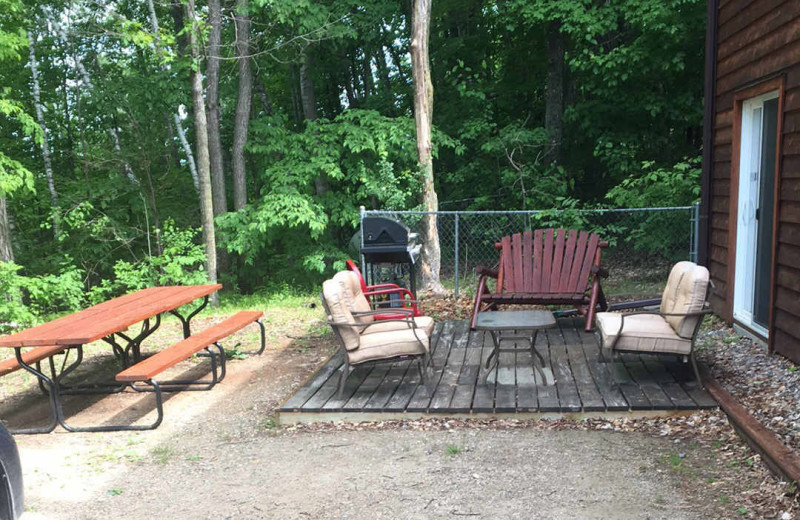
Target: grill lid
pixel 382 231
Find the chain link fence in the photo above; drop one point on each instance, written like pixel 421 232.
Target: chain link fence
pixel 644 243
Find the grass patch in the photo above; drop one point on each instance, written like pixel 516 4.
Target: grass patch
pixel 161 454
pixel 452 450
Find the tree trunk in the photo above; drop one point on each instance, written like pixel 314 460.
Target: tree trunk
pixel 297 108
pixel 48 166
pixel 6 252
pixel 423 113
pixel 212 102
pixel 263 96
pixel 309 100
pixel 241 124
pixel 307 94
pixel 554 101
pixel 201 145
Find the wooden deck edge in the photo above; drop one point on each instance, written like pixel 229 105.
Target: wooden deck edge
pixel 308 378
pixel 778 457
pixel 288 418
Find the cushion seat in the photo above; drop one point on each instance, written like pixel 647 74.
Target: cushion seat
pixel 424 324
pixel 642 333
pixel 389 344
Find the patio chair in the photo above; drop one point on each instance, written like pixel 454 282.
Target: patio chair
pixel 670 330
pixel 365 311
pixel 545 267
pixel 397 338
pixel 397 296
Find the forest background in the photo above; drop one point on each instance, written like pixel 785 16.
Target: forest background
pixel 300 111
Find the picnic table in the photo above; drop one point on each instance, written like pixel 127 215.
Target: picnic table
pixel 109 321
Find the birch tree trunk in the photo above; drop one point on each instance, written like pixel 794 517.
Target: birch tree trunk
pixel 423 113
pixel 48 165
pixel 212 102
pixel 241 125
pixel 201 145
pixel 6 252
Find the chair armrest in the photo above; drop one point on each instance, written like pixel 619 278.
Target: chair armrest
pixel 398 310
pixel 407 320
pixel 486 271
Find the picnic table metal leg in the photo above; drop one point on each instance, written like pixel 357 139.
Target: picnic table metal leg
pixel 51 395
pixel 134 344
pixel 187 321
pixel 118 427
pixel 58 375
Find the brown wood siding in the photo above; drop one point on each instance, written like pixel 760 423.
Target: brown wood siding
pixel 758 41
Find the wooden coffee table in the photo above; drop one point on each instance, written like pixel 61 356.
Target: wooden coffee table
pixel 500 323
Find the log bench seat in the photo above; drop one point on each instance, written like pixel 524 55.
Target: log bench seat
pixel 149 368
pixel 30 357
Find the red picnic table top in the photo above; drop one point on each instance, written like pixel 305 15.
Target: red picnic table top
pixel 106 318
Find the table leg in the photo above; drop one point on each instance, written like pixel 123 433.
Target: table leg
pixel 538 355
pixel 494 356
pixel 186 322
pixel 133 348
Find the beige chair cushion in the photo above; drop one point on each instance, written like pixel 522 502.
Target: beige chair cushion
pixel 643 333
pixel 353 295
pixel 384 345
pixel 685 292
pixel 424 323
pixel 340 312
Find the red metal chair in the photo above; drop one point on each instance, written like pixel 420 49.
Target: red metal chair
pixel 386 290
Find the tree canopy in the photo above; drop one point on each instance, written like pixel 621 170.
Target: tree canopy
pixel 105 90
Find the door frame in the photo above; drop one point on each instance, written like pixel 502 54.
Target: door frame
pixel 779 84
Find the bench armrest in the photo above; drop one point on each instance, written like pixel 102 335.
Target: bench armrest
pixel 482 270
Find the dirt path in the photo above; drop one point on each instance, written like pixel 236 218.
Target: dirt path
pixel 220 455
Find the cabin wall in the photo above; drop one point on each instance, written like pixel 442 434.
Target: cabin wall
pixel 758 40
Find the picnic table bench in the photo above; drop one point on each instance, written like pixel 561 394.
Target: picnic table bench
pixel 109 321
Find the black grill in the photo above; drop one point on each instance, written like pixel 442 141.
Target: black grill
pixel 388 241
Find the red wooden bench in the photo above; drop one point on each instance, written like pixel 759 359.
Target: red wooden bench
pixel 545 267
pixel 29 358
pixel 154 365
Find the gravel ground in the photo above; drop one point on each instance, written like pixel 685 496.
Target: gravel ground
pixel 768 386
pixel 221 454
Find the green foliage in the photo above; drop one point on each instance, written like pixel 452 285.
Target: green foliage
pixel 180 263
pixel 657 186
pixel 28 298
pixel 360 157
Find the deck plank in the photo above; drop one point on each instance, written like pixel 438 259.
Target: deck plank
pixel 591 400
pixel 576 379
pixel 315 382
pixel 603 376
pixel 390 382
pixel 568 398
pixel 546 391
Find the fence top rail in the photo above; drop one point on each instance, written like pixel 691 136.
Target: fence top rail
pixel 521 212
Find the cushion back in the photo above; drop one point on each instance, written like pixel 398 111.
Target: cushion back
pixel 339 311
pixel 685 293
pixel 353 295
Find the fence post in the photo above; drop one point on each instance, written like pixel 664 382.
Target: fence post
pixel 695 233
pixel 456 269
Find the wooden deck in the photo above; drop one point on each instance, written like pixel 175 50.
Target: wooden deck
pixel 642 385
